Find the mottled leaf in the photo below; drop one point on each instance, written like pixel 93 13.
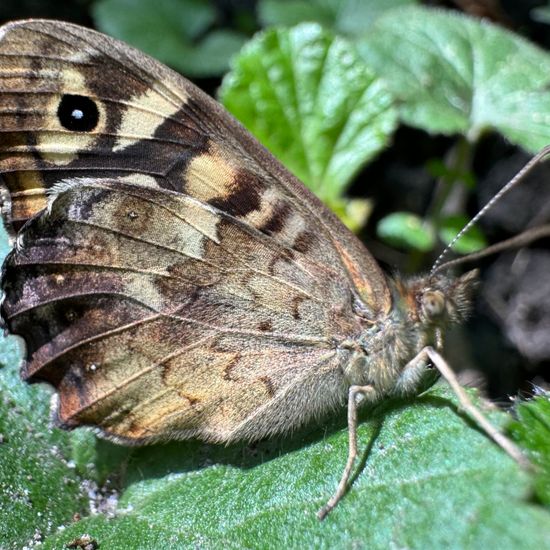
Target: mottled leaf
pixel 455 74
pixel 312 101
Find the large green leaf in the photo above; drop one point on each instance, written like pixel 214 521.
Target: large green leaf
pixel 39 488
pixel 177 32
pixel 455 74
pixel 312 101
pixel 430 480
pixel 349 17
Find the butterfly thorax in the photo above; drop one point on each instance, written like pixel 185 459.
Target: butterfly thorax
pixel 422 310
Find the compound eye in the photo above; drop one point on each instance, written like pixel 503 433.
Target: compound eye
pixel 433 304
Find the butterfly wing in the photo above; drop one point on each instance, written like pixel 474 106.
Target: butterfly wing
pixel 182 282
pixel 156 315
pixel 153 123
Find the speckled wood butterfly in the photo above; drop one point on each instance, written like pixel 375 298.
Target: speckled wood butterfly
pixel 171 279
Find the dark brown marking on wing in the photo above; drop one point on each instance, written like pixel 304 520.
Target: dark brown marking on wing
pixel 189 398
pixel 276 221
pixel 227 375
pixel 176 142
pixel 304 241
pixel 283 255
pixel 111 71
pixel 242 196
pixel 296 301
pixel 265 326
pixel 268 383
pixel 86 205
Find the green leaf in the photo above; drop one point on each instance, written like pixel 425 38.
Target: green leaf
pixel 455 74
pixel 406 230
pixel 39 486
pixel 532 431
pixel 425 465
pixel 310 99
pixel 353 212
pixel 177 32
pixel 348 17
pixel 152 23
pixel 210 56
pixel 472 241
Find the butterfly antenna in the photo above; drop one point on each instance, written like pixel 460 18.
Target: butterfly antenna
pixel 517 241
pixel 510 185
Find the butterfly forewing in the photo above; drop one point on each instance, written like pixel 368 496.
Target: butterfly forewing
pixel 142 122
pixel 182 282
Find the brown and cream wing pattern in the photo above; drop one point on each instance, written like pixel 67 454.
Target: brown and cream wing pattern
pixel 156 316
pixel 148 123
pixel 180 282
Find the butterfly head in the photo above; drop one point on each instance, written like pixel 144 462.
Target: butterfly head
pixel 437 300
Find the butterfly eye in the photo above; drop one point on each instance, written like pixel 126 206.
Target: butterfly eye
pixel 433 304
pixel 77 113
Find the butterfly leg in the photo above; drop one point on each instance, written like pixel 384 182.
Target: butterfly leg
pixel 492 431
pixel 355 393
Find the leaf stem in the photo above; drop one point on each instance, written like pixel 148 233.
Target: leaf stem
pixel 458 163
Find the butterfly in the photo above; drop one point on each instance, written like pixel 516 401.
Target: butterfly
pixel 170 278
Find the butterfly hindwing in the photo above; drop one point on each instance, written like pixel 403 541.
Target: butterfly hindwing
pixel 129 288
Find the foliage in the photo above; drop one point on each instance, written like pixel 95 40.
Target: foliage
pixel 406 229
pixel 307 95
pixel 532 431
pixel 180 33
pixel 448 74
pixel 455 75
pixel 38 486
pixel 351 18
pixel 325 105
pixel 425 464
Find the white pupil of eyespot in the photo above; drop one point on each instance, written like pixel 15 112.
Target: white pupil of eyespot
pixel 78 114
